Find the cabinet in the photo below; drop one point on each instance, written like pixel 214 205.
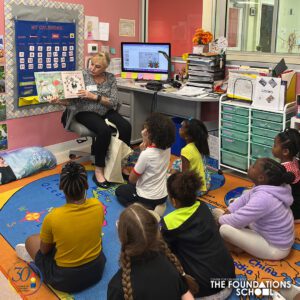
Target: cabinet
pixel 248 133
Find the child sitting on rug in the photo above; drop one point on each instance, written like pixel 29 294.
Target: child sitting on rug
pixel 149 270
pixel 68 250
pixel 193 236
pixel 193 155
pixel 149 173
pixel 286 148
pixel 260 221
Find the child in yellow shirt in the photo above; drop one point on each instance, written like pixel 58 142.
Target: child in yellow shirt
pixel 193 155
pixel 68 250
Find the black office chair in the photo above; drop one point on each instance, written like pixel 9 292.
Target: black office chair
pixel 72 125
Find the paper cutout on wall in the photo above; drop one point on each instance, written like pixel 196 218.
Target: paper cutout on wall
pixel 2 79
pixel 91 30
pixel 103 31
pixel 126 27
pixel 3 137
pixel 1 49
pixel 2 108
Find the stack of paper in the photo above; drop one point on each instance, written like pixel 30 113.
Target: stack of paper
pixel 190 91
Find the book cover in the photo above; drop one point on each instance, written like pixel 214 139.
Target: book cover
pixel 62 85
pixel 72 82
pixel 49 85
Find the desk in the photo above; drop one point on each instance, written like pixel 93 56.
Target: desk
pixel 137 101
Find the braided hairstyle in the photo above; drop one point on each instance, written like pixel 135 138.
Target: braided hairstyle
pixel 139 234
pixel 198 133
pixel 275 172
pixel 290 139
pixel 73 181
pixel 183 187
pixel 161 130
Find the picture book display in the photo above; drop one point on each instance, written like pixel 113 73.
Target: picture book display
pixel 62 85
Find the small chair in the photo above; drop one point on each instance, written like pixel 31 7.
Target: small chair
pixel 74 126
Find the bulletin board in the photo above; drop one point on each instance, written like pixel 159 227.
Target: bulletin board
pixel 38 12
pixel 42 46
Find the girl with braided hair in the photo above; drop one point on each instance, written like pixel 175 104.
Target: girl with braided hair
pixel 192 235
pixel 287 149
pixel 260 222
pixel 149 270
pixel 68 250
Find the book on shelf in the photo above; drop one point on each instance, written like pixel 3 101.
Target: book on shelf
pixel 61 85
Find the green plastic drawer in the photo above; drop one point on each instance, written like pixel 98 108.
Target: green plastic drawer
pixel 236 110
pixel 235 134
pixel 262 140
pixel 235 126
pixel 235 118
pixel 234 145
pixel 267 124
pixel 234 160
pixel 264 132
pixel 259 151
pixel 264 115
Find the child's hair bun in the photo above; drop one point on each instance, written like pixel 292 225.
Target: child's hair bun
pixel 288 177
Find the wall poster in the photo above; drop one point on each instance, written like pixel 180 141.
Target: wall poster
pixel 42 46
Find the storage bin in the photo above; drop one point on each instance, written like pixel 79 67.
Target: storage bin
pixel 264 115
pixel 234 160
pixel 252 160
pixel 234 126
pixel 234 145
pixel 179 141
pixel 267 124
pixel 235 118
pixel 235 110
pixel 262 140
pixel 259 151
pixel 235 134
pixel 264 132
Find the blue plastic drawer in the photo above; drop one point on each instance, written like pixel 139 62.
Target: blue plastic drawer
pixel 264 132
pixel 257 139
pixel 235 118
pixel 259 151
pixel 234 160
pixel 235 134
pixel 265 115
pixel 232 109
pixel 234 145
pixel 235 126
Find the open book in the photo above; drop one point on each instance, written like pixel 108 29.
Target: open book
pixel 62 85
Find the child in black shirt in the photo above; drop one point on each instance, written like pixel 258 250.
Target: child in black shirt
pixel 192 235
pixel 148 268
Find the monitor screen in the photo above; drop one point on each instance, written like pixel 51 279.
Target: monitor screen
pixel 145 57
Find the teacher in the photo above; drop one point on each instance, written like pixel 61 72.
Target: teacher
pixel 95 104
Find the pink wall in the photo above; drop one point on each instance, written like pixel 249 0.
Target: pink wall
pixel 46 129
pixel 175 22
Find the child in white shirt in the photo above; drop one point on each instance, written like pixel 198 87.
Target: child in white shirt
pixel 149 173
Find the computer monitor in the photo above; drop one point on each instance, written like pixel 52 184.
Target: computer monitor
pixel 145 57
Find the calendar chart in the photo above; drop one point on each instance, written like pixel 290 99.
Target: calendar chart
pixel 42 46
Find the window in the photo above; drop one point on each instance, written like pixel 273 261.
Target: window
pixel 260 26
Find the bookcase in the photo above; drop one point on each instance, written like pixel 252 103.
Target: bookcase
pixel 247 133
